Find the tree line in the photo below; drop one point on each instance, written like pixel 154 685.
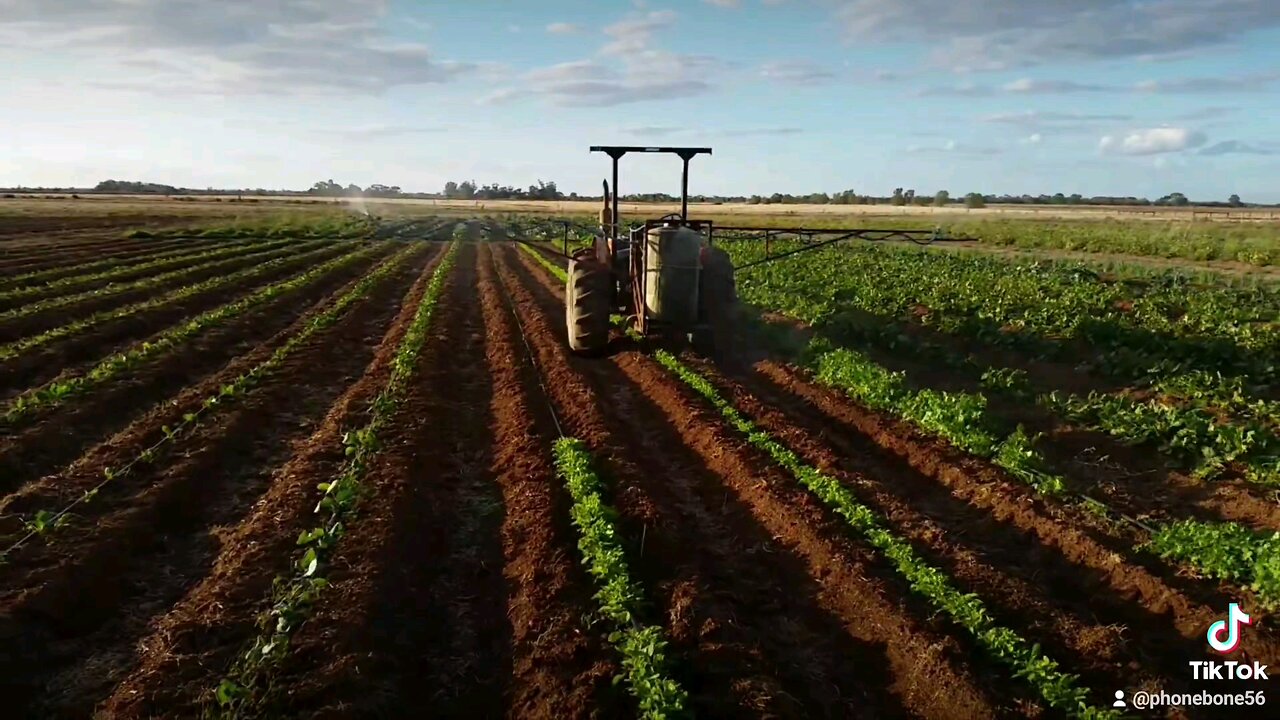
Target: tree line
pixel 470 190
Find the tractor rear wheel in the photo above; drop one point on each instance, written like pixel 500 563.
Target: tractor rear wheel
pixel 717 305
pixel 586 304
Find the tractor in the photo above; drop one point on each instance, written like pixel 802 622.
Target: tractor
pixel 663 275
pixel 666 276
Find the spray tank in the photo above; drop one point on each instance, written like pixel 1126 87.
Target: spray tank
pixel 672 265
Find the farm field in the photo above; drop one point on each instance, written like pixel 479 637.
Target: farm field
pixel 351 469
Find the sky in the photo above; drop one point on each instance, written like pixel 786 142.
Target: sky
pixel 1099 97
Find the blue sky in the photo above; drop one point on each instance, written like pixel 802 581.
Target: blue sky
pixel 1091 96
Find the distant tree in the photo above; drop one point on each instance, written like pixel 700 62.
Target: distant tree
pixel 451 189
pixel 974 200
pixel 899 198
pixel 1234 201
pixel 129 186
pixel 942 198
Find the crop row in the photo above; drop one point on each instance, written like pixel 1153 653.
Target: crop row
pixel 47 275
pixel 542 260
pixel 232 390
pixel 642 646
pixel 244 687
pixel 16 348
pixel 223 258
pixel 62 389
pixel 963 420
pixel 314 225
pixel 1060 690
pixel 1057 688
pixel 1201 436
pixel 1132 332
pixel 1191 431
pixel 189 257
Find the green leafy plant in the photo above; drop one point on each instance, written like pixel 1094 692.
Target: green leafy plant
pixel 220 258
pixel 302 254
pixel 55 393
pixel 642 647
pixel 1059 690
pixel 247 380
pixel 130 258
pixel 1228 551
pixel 542 260
pixel 112 275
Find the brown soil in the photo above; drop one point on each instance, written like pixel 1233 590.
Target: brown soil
pixel 458 589
pixel 123 274
pixel 35 323
pixel 75 352
pixel 59 262
pixel 71 251
pixel 191 644
pixel 34 448
pixel 76 609
pixel 836 643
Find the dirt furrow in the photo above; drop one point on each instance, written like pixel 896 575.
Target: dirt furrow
pixel 1135 480
pixel 414 622
pixel 1065 608
pixel 58 437
pixel 559 667
pixel 18 327
pixel 60 267
pixel 74 352
pixel 835 642
pixel 1181 605
pixel 69 254
pixel 121 275
pixel 82 604
pixel 191 645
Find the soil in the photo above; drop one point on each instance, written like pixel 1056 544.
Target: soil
pixel 457 590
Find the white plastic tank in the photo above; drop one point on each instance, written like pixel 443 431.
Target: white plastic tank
pixel 673 259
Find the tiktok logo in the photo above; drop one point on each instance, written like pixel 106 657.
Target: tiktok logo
pixel 1224 635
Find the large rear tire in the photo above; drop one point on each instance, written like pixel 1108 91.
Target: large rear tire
pixel 586 304
pixel 717 306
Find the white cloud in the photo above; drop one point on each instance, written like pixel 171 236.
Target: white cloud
pixel 1253 82
pixel 635 34
pixel 1152 141
pixel 1235 147
pixel 795 72
pixel 953 147
pixel 229 47
pixel 1038 118
pixel 633 67
pixel 1003 34
pixel 1027 86
pixel 562 28
pixel 371 132
pixel 654 131
pixel 723 3
pixel 967 89
pixel 1032 139
pixel 762 132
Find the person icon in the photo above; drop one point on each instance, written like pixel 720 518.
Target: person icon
pixel 1119 700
